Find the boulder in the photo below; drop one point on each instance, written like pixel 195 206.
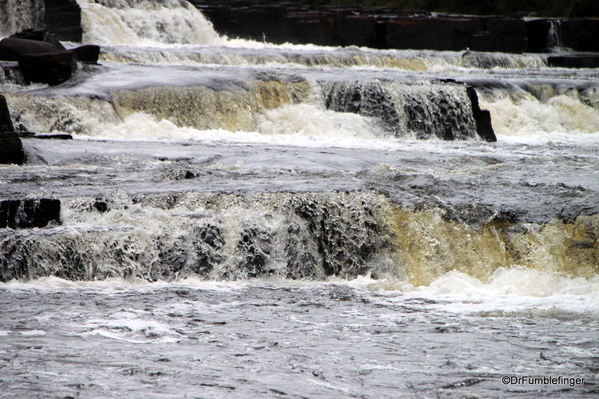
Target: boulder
pixel 42 58
pixel 11 48
pixel 88 53
pixel 28 213
pixel 51 68
pixel 40 36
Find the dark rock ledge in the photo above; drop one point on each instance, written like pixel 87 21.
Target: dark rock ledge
pixel 28 213
pixel 389 28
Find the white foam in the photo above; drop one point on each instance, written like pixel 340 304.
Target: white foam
pixel 313 122
pixel 513 290
pixel 146 24
pixel 561 118
pixel 33 333
pixel 53 283
pixel 291 125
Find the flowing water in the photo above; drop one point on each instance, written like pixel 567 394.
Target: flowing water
pixel 240 219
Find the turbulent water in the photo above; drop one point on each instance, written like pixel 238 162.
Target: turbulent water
pixel 19 15
pixel 248 220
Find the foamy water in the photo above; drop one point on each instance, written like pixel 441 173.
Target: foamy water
pixel 115 22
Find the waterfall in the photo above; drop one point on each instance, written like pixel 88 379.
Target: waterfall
pixel 421 110
pixel 144 22
pixel 295 236
pixel 554 38
pixel 17 15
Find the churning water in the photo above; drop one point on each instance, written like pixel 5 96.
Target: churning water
pixel 240 219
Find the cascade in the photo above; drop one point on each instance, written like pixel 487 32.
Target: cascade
pixel 405 60
pixel 554 38
pixel 132 22
pixel 397 108
pixel 472 59
pixel 543 108
pixel 290 235
pixel 423 110
pixel 211 235
pixel 17 15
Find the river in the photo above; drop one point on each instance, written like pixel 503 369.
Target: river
pixel 243 219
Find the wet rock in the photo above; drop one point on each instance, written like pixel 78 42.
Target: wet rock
pixel 40 36
pixel 430 33
pixel 574 61
pixel 11 149
pixel 52 68
pixel 338 239
pixel 19 214
pixel 365 98
pixel 393 28
pixel 255 247
pixel 579 34
pixel 484 128
pixel 58 136
pixel 102 206
pixel 537 35
pixel 435 113
pixel 457 33
pixel 64 18
pixel 361 30
pixel 88 53
pixel 12 48
pixel 208 244
pixel 509 34
pixel 42 57
pixel 6 124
